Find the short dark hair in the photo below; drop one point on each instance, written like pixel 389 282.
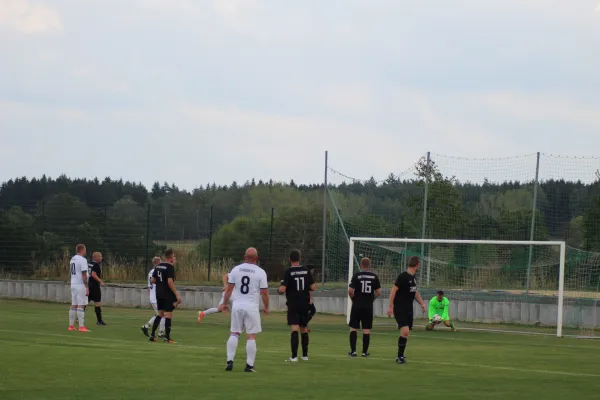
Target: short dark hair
pixel 295 255
pixel 413 261
pixel 440 292
pixel 169 252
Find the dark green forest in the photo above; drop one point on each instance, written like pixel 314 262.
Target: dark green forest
pixel 41 219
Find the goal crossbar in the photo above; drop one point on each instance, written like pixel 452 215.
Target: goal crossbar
pixel 561 244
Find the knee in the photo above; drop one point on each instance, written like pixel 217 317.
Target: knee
pixel 366 331
pixel 429 327
pixel 295 328
pixel 447 323
pixel 251 337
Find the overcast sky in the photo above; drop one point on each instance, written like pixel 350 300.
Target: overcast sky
pixel 198 91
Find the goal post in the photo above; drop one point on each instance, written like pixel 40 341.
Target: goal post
pixel 484 279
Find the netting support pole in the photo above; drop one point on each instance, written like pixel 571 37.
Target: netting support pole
pixel 424 222
pixel 341 222
pixel 561 289
pixel 324 240
pixel 533 213
pixel 350 273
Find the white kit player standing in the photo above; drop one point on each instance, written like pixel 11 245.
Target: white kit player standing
pixel 78 269
pixel 152 299
pixel 250 284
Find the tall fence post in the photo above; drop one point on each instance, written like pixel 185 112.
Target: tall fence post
pixel 324 240
pixel 271 234
pixel 424 222
pixel 147 263
pixel 533 213
pixel 210 234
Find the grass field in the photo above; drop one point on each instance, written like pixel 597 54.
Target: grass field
pixel 40 359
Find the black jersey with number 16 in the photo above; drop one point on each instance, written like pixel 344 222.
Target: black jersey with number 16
pixel 297 282
pixel 365 285
pixel 162 273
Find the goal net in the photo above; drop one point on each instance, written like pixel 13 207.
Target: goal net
pixel 535 287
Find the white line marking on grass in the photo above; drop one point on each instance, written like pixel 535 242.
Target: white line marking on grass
pixel 464 365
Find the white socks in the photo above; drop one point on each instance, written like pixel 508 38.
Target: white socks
pixel 232 345
pixel 80 317
pixel 211 311
pixel 161 326
pixel 151 322
pixel 72 316
pixel 250 352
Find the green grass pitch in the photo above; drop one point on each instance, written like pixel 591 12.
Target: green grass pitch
pixel 40 359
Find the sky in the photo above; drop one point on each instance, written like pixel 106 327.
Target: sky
pixel 198 91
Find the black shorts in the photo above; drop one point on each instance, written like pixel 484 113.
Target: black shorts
pixel 95 294
pixel 166 305
pixel 297 314
pixel 361 317
pixel 404 317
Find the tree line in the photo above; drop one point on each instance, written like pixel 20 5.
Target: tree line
pixel 41 218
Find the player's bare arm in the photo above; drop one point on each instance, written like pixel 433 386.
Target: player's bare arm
pixel 264 293
pixel 228 291
pixel 281 289
pixel 378 293
pixel 313 287
pixel 171 284
pixel 420 301
pixel 351 292
pixel 84 276
pixel 390 310
pixel 97 278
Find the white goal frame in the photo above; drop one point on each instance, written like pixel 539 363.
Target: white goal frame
pixel 561 279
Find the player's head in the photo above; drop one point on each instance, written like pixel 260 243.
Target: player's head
pixel 97 257
pixel 440 295
pixel 251 255
pixel 80 250
pixel 295 257
pixel 365 263
pixel 414 262
pixel 156 260
pixel 170 256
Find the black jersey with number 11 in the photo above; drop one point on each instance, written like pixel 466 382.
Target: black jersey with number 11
pixel 297 282
pixel 162 273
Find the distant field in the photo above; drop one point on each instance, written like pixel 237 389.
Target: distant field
pixel 42 360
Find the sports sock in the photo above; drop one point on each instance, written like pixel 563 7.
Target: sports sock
pixel 81 317
pixel 167 328
pixel 451 325
pixel 294 343
pixel 250 352
pixel 155 325
pixel 353 336
pixel 150 322
pixel 305 344
pixel 72 316
pixel 162 326
pixel 98 313
pixel 232 345
pixel 211 311
pixel 401 346
pixel 366 342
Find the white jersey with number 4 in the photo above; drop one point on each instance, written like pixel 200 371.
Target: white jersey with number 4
pixel 152 287
pixel 77 266
pixel 248 279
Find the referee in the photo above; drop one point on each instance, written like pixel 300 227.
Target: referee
pixel 402 296
pixel 94 283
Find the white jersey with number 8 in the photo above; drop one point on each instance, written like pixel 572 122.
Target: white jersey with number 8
pixel 248 279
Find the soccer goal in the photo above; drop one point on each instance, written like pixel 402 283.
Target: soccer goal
pixel 531 287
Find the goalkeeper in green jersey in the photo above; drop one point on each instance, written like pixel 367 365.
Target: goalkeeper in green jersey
pixel 438 312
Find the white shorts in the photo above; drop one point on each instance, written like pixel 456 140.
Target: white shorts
pixel 155 308
pixel 245 321
pixel 78 297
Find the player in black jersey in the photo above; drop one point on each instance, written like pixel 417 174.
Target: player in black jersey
pixel 364 288
pixel 297 285
pixel 94 283
pixel 402 296
pixel 167 296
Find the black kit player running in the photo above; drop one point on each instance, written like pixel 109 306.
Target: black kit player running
pixel 364 288
pixel 167 296
pixel 297 285
pixel 402 297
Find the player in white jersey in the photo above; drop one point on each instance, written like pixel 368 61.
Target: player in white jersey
pixel 214 310
pixel 152 298
pixel 250 284
pixel 78 269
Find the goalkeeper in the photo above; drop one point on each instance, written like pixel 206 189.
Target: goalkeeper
pixel 438 312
